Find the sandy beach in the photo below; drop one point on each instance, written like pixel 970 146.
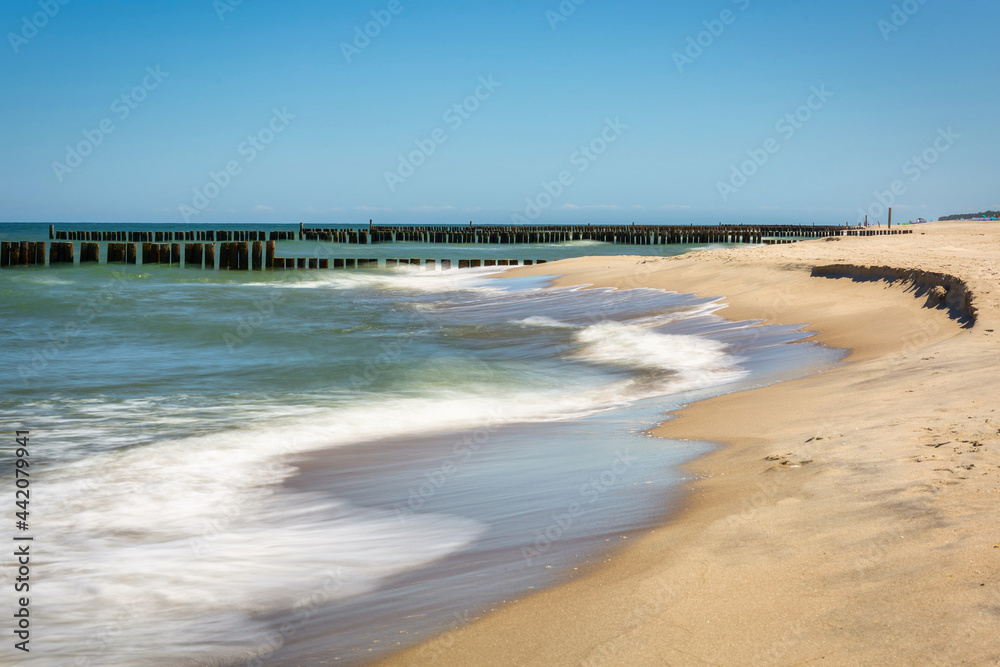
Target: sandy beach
pixel 847 518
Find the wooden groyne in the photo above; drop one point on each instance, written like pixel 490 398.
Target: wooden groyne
pixel 218 235
pixel 492 234
pixel 617 234
pixel 245 250
pixel 233 256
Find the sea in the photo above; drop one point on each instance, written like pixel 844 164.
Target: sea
pixel 321 467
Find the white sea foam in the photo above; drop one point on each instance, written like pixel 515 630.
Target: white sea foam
pixel 177 543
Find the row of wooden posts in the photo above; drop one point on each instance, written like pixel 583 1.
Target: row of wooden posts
pixel 233 256
pixel 618 234
pixel 502 234
pixel 161 237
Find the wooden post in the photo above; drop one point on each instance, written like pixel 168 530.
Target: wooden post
pixel 258 255
pixel 210 256
pixel 130 253
pixel 445 264
pixel 40 253
pixel 52 232
pixel 224 256
pixel 4 253
pixel 89 252
pixel 116 253
pixel 175 253
pixel 15 254
pixel 349 263
pixel 324 263
pixel 890 217
pixel 269 261
pixel 193 253
pixel 338 263
pixel 24 253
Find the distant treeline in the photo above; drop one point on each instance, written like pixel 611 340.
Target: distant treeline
pixel 972 216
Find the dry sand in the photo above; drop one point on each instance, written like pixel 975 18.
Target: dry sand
pixel 850 518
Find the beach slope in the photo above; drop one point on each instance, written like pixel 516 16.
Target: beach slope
pixel 849 517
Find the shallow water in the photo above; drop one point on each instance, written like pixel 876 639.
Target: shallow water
pixel 313 466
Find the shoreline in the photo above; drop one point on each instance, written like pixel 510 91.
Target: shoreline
pixel 845 516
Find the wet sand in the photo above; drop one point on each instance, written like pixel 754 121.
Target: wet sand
pixel 851 516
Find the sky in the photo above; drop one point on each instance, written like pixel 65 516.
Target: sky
pixel 548 112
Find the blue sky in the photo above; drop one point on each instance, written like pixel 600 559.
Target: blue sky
pixel 599 112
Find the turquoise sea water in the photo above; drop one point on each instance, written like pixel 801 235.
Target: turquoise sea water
pixel 320 466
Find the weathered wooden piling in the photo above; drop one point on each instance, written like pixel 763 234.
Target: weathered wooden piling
pixel 15 254
pixel 26 253
pixel 445 264
pixel 175 253
pixel 269 258
pixel 224 256
pixel 89 252
pixel 210 256
pixel 116 253
pixel 39 253
pixel 258 255
pixel 300 262
pixel 52 232
pixel 242 256
pixel 4 253
pixel 193 254
pixel 349 263
pixel 324 263
pixel 429 264
pixel 61 252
